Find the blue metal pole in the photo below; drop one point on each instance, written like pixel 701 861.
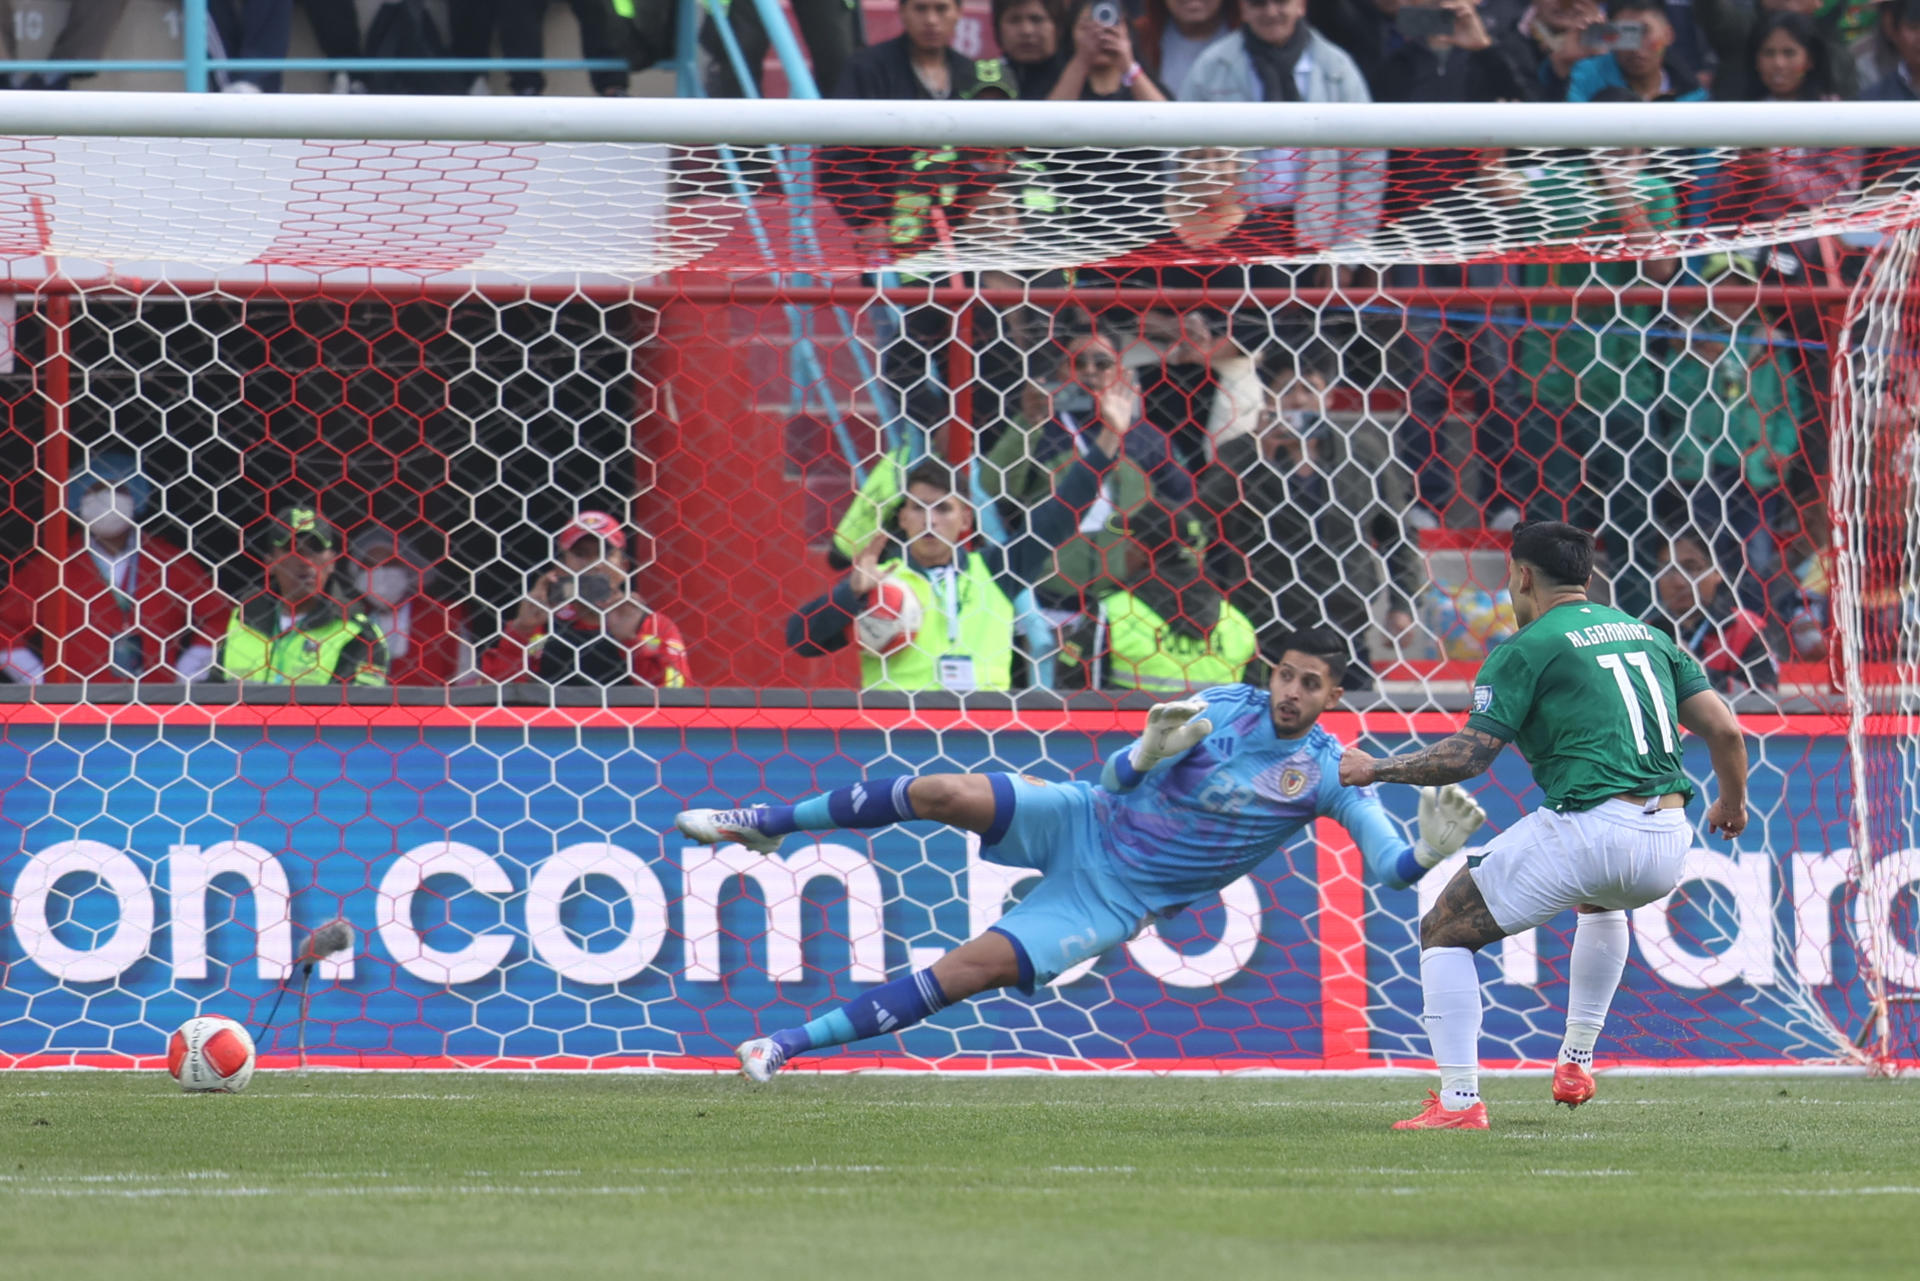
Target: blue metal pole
pixel 799 75
pixel 193 43
pixel 686 51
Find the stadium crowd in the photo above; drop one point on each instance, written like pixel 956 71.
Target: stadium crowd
pixel 1154 488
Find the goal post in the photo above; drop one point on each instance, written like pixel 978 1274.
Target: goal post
pixel 1353 346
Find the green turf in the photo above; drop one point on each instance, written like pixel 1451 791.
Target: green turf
pixel 370 1177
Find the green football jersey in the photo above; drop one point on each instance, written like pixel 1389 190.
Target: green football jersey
pixel 1591 697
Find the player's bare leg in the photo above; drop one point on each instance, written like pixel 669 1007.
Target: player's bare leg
pixel 1600 941
pixel 1457 926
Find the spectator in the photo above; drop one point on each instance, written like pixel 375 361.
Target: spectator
pixel 1290 554
pixel 1103 68
pixel 1792 60
pixel 1732 30
pixel 884 490
pixel 1203 390
pixel 1701 612
pixel 306 625
pixel 1900 29
pixel 919 63
pixel 1112 198
pixel 581 623
pixel 1799 598
pixel 89 26
pixel 965 641
pixel 406 29
pixel 1552 40
pixel 520 24
pixel 1594 386
pixel 1168 631
pixel 249 29
pixel 1731 429
pixel 1650 71
pixel 896 199
pixel 831 29
pixel 124 606
pixel 1173 33
pixel 1298 200
pixel 1789 58
pixel 336 27
pixel 1030 33
pixel 1405 60
pixel 427 640
pixel 1455 362
pixel 1114 461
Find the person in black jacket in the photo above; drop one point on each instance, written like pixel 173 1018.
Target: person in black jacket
pixel 831 29
pixel 1292 551
pixel 865 183
pixel 1900 35
pixel 1032 38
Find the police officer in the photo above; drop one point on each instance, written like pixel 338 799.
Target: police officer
pixel 305 626
pixel 1170 632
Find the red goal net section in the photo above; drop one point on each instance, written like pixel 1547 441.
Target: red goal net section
pixel 406 508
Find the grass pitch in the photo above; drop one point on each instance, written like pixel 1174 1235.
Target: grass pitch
pixel 482 1176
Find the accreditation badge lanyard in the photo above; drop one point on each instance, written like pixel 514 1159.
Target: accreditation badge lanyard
pixel 955 669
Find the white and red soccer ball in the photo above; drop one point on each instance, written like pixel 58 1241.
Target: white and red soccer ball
pixel 891 619
pixel 210 1054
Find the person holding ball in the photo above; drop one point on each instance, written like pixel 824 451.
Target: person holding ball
pixel 963 594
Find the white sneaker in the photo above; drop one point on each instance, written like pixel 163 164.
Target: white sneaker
pixel 718 827
pixel 759 1059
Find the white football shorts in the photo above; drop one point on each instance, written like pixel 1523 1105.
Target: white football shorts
pixel 1612 856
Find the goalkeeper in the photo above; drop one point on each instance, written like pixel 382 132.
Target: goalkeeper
pixel 1214 786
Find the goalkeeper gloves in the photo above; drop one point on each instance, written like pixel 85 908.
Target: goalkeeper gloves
pixel 1172 728
pixel 1448 816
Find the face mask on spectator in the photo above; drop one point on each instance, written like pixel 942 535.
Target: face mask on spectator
pixel 389 586
pixel 107 513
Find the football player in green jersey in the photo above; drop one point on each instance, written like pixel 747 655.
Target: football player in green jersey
pixel 1594 699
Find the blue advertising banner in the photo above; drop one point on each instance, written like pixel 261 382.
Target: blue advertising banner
pixel 520 898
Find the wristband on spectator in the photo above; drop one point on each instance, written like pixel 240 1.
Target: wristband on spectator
pixel 1133 74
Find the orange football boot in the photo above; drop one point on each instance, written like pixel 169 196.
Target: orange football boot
pixel 1572 1084
pixel 1436 1117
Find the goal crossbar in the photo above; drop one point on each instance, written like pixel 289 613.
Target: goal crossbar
pixel 697 122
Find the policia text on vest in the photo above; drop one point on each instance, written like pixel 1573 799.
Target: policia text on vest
pixel 1130 646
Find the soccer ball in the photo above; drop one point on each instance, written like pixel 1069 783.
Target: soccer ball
pixel 891 620
pixel 210 1054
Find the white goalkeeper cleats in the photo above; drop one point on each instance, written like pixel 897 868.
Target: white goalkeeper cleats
pixel 721 827
pixel 760 1058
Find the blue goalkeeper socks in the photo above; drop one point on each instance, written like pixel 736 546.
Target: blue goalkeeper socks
pixel 873 802
pixel 891 1007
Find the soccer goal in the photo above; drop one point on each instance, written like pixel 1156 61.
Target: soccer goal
pixel 1338 353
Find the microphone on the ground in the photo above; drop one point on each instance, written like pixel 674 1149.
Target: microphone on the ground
pixel 329 940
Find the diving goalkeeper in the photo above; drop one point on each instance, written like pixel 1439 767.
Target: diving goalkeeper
pixel 1214 786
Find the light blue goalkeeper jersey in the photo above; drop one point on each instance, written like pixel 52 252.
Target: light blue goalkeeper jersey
pixel 1201 820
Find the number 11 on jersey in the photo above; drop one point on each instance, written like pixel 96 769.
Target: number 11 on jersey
pixel 1613 663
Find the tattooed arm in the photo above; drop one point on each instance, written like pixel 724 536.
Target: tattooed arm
pixel 1451 760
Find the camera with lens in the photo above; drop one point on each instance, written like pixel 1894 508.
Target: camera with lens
pixel 1106 13
pixel 592 589
pixel 577 651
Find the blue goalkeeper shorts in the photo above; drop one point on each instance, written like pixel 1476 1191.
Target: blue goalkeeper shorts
pixel 1081 907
